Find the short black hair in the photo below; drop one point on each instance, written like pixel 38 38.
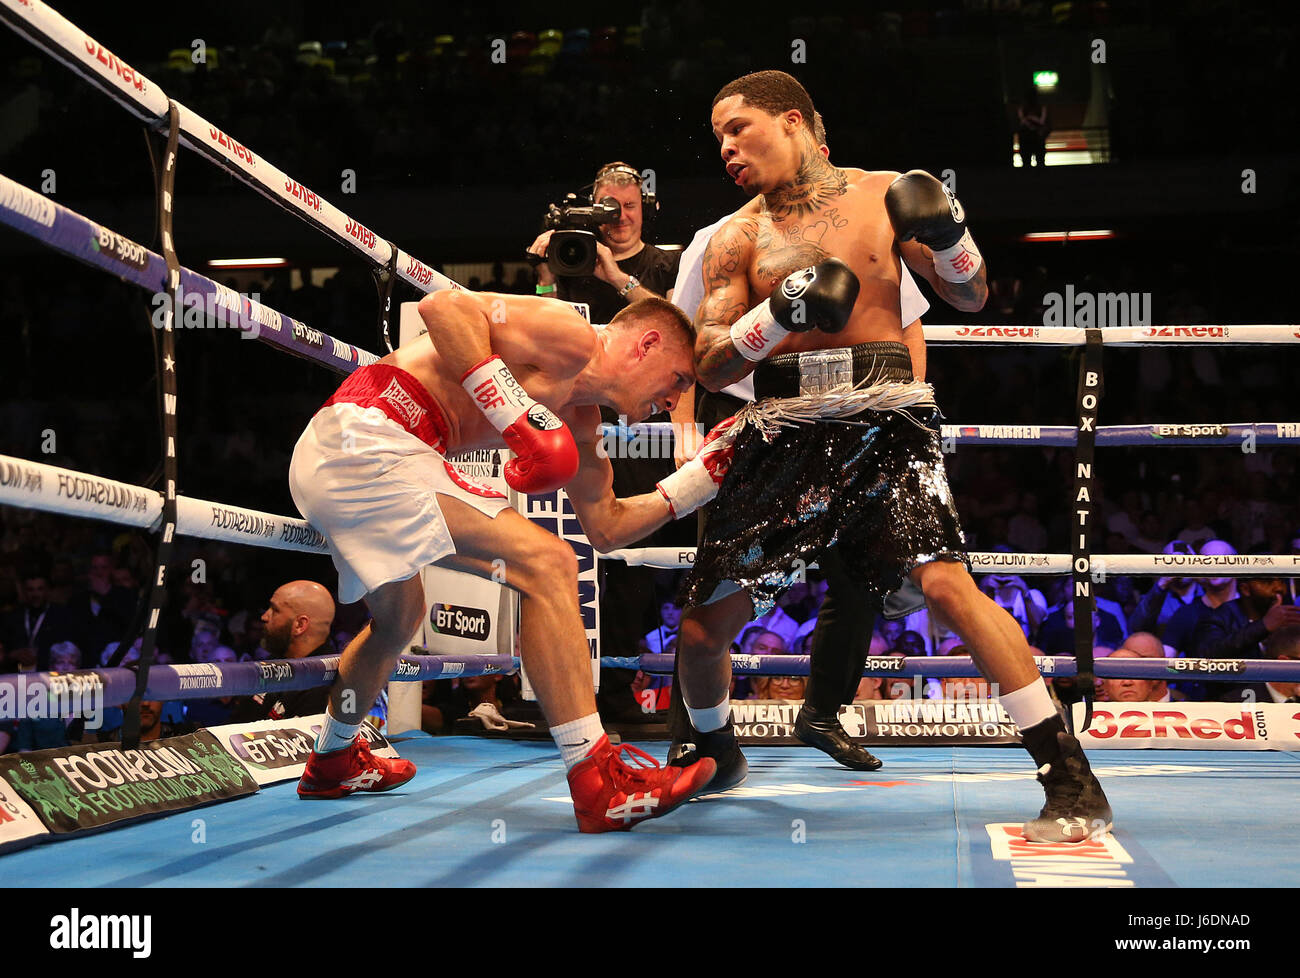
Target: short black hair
pixel 774 92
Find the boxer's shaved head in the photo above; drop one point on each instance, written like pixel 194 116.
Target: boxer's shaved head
pixel 660 313
pixel 774 92
pixel 651 345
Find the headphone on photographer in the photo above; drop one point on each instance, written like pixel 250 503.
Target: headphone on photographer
pixel 649 200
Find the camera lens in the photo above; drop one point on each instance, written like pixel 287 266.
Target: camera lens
pixel 572 253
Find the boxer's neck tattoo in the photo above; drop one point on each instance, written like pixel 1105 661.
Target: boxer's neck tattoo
pixel 814 186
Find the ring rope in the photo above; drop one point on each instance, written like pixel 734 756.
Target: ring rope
pixel 1155 565
pixel 1197 434
pixel 963 666
pixel 50 489
pixel 207 680
pixel 1114 335
pixel 77 236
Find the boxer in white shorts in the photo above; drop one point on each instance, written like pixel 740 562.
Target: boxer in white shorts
pixel 371 473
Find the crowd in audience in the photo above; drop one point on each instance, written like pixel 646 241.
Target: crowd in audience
pixel 1203 617
pixel 559 85
pixel 70 589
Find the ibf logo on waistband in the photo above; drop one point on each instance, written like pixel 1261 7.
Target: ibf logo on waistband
pixel 404 403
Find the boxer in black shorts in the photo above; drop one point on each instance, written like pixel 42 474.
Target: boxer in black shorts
pixel 840 451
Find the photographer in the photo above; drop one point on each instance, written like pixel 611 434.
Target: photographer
pixel 627 268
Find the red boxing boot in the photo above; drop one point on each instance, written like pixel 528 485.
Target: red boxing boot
pixel 352 769
pixel 611 796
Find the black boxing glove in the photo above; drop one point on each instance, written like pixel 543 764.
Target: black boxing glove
pixel 820 297
pixel 921 207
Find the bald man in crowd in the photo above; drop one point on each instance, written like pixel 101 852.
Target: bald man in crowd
pixel 298 621
pixel 1139 645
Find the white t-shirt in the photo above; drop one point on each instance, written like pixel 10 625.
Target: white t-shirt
pixel 688 293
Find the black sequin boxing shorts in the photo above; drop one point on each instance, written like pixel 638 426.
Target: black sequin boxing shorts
pixel 873 485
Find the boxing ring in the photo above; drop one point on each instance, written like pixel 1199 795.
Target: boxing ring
pixel 930 818
pixel 495 812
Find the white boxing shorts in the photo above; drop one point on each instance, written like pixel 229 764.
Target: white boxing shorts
pixel 367 472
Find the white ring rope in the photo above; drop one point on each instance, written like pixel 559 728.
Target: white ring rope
pixel 33 485
pixel 1114 335
pixel 1235 565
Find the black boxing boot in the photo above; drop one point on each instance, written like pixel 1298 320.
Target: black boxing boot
pixel 722 746
pixel 1076 809
pixel 825 732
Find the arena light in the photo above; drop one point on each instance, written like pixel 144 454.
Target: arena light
pixel 248 262
pixel 1098 235
pixel 1046 81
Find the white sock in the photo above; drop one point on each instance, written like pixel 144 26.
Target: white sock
pixel 335 735
pixel 577 737
pixel 1028 705
pixel 713 718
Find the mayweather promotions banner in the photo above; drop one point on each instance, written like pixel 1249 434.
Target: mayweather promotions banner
pixel 884 723
pixel 90 786
pixel 1192 726
pixel 276 750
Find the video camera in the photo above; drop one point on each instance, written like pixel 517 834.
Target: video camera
pixel 572 251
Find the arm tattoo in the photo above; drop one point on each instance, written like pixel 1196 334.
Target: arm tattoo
pixel 973 291
pixel 726 299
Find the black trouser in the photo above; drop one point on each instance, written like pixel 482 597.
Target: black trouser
pixel 845 622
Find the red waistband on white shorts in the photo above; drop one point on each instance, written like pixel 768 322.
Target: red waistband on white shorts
pixel 398 395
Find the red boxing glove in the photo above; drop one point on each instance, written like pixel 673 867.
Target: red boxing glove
pixel 546 457
pixel 697 482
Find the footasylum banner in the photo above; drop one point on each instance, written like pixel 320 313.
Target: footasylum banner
pixel 90 786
